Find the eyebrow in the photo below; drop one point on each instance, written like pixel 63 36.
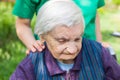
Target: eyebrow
pixel 62 37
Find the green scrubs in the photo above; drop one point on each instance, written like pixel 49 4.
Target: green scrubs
pixel 27 8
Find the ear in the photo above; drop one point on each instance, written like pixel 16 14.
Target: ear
pixel 42 38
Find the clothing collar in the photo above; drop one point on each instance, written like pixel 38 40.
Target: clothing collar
pixel 53 67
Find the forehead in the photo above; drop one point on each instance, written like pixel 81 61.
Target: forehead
pixel 63 30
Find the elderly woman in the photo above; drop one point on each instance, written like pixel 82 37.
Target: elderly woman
pixel 67 55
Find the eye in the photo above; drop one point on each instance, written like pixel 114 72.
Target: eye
pixel 62 40
pixel 77 39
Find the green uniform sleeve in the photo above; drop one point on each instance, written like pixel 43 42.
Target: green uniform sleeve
pixel 101 3
pixel 25 8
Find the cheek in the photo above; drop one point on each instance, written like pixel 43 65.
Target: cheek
pixel 57 50
pixel 60 49
pixel 79 45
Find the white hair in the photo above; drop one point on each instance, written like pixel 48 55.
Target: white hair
pixel 57 12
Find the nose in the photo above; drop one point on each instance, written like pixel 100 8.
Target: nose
pixel 72 49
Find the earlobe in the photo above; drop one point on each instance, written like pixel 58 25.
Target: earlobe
pixel 42 39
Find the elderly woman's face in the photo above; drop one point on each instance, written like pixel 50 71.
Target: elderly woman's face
pixel 64 42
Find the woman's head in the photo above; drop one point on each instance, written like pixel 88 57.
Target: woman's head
pixel 60 24
pixel 57 12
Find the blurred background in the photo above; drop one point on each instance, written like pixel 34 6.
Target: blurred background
pixel 12 51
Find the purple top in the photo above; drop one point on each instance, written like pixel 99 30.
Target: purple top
pixel 25 70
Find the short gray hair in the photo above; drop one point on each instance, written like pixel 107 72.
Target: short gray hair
pixel 57 12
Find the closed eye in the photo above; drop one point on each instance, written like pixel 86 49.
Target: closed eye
pixel 62 40
pixel 77 39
